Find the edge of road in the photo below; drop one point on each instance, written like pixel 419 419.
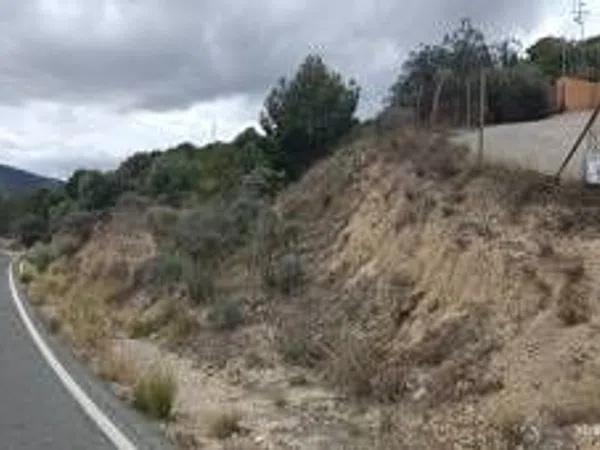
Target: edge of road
pixel 93 395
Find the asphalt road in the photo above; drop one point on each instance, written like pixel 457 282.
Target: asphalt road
pixel 36 411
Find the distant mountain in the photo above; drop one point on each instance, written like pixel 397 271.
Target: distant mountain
pixel 15 181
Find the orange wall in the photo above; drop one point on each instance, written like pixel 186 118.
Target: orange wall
pixel 576 95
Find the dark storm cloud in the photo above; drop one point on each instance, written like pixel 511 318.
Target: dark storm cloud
pixel 166 54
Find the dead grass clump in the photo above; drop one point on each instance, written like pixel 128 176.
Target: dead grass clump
pixel 166 319
pixel 354 364
pixel 573 307
pixel 88 320
pixel 516 425
pixel 117 366
pixel 154 394
pixel 579 404
pixel 224 425
pixel 296 345
pixel 573 304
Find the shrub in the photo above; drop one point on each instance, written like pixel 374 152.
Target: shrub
pixel 27 273
pixel 287 274
pixel 41 256
pixel 198 279
pixel 30 229
pixel 154 394
pixel 162 220
pixel 79 224
pixel 168 268
pixel 226 315
pixel 224 425
pixel 66 245
pixel 517 94
pixel 297 346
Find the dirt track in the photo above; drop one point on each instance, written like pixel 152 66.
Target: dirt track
pixel 540 146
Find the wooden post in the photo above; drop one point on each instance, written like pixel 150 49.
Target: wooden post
pixel 482 102
pixel 468 119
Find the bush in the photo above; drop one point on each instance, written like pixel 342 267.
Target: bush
pixel 79 224
pixel 66 245
pixel 27 273
pixel 162 220
pixel 31 229
pixel 168 269
pixel 287 274
pixel 226 315
pixel 41 256
pixel 297 346
pixel 224 425
pixel 154 394
pixel 198 279
pixel 96 191
pixel 517 94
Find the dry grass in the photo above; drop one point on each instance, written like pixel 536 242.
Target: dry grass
pixel 279 398
pixel 117 366
pixel 154 393
pixel 224 425
pixel 579 404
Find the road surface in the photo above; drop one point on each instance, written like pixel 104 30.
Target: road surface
pixel 540 146
pixel 36 410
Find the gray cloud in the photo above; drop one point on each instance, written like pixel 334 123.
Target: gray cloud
pixel 170 54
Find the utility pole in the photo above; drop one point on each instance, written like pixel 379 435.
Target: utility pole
pixel 580 14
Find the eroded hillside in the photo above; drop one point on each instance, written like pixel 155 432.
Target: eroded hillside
pixel 393 298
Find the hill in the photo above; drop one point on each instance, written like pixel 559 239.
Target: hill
pixel 391 298
pixel 15 181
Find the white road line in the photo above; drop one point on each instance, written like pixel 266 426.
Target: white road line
pixel 112 432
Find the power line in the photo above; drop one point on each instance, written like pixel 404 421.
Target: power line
pixel 580 14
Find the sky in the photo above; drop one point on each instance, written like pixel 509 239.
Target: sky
pixel 85 83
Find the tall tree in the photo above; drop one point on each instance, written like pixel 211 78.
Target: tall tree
pixel 306 115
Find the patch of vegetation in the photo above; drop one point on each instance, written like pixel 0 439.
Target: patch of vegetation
pixel 226 314
pixel 41 256
pixel 225 424
pixel 154 394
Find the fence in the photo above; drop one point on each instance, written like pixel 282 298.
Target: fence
pixel 572 94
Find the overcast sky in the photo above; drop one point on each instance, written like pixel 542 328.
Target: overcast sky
pixel 84 83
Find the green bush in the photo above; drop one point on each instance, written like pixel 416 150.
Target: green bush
pixel 517 94
pixel 41 256
pixel 226 315
pixel 31 228
pixel 96 190
pixel 168 268
pixel 154 394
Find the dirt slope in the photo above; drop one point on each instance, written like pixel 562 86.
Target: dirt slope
pixel 412 303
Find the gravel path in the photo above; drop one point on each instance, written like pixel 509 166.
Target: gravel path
pixel 540 146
